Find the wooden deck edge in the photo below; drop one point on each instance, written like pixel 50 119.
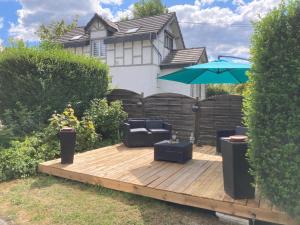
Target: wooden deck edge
pixel 179 198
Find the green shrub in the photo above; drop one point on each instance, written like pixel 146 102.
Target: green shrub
pixel 86 136
pixel 34 82
pixel 213 90
pixel 20 120
pixel 224 89
pixel 107 118
pixel 272 107
pixel 22 157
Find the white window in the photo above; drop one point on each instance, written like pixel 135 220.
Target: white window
pixel 168 41
pixel 98 48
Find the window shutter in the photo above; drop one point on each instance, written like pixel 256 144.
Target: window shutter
pixel 102 48
pixel 96 48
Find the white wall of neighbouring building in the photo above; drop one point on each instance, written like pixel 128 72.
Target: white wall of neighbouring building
pixel 135 78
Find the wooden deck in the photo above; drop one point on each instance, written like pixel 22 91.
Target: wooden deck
pixel 198 183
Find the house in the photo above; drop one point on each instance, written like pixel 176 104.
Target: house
pixel 138 51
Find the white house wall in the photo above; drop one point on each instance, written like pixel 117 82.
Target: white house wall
pixel 140 78
pixel 129 53
pixel 161 52
pixel 134 65
pixel 172 86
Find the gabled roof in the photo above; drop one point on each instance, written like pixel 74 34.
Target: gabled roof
pixel 111 26
pixel 146 25
pixel 80 32
pixel 147 28
pixel 182 57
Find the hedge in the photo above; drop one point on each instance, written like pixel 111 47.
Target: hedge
pixel 272 107
pixel 40 81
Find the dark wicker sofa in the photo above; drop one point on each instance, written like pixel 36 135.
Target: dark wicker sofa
pixel 145 132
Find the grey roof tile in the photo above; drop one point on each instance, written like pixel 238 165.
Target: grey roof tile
pixel 67 38
pixel 182 57
pixel 146 25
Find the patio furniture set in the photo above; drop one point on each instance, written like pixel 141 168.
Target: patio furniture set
pixel 157 133
pixel 230 143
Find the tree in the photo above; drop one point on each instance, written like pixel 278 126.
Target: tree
pixel 144 8
pixel 272 107
pixel 51 32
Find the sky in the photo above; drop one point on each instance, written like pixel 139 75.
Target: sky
pixel 224 27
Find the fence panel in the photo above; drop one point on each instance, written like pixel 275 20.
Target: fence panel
pixel 176 109
pixel 217 113
pixel 132 102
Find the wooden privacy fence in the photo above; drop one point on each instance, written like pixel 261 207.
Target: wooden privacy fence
pixel 220 112
pixel 215 113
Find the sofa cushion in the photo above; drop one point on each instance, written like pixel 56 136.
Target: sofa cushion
pixel 154 124
pixel 137 124
pixel 159 131
pixel 138 130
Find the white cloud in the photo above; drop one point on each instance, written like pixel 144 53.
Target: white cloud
pixel 1 44
pixel 223 31
pixel 238 2
pixel 203 2
pixel 1 22
pixel 124 13
pixel 35 12
pixel 115 2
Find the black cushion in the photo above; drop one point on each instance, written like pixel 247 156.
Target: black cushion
pixel 159 131
pixel 240 130
pixel 138 130
pixel 137 124
pixel 154 124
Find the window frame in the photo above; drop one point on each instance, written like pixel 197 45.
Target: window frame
pixel 102 49
pixel 168 41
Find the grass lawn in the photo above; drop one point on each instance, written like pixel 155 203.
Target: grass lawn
pixel 49 200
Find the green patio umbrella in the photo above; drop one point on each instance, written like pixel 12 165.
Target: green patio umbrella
pixel 215 72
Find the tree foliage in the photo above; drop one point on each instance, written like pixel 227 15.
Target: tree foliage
pixel 144 8
pixel 56 29
pixel 272 107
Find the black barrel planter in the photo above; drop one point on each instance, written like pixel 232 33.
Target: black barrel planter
pixel 237 179
pixel 67 137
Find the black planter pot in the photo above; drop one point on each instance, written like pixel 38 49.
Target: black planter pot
pixel 237 179
pixel 67 137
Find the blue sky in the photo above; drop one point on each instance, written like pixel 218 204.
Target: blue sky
pixel 223 26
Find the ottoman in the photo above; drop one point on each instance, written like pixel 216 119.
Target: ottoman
pixel 173 152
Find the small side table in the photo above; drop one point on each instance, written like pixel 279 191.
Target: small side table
pixel 179 152
pixel 237 179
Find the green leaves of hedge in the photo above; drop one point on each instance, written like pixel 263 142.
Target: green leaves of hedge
pixel 272 107
pixel 42 81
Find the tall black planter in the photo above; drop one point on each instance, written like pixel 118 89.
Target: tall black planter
pixel 67 137
pixel 237 179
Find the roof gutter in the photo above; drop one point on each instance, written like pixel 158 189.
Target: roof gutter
pixel 134 37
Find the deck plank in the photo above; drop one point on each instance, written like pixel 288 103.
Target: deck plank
pixel 198 183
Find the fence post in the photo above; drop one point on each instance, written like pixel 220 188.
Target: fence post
pixel 197 114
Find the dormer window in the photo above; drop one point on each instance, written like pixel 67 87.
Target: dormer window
pixel 168 43
pixel 76 37
pixel 132 30
pixel 98 48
